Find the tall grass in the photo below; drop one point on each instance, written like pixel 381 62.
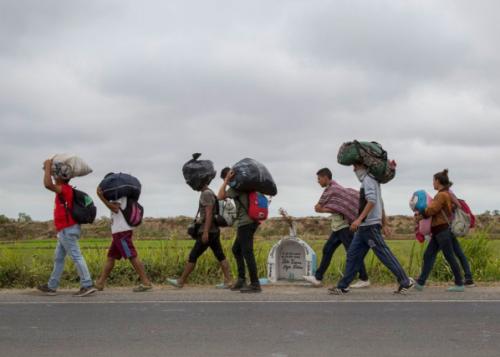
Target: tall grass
pixel 32 264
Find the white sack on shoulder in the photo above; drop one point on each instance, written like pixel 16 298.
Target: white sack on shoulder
pixel 68 166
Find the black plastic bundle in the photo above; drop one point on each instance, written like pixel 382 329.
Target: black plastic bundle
pixel 251 175
pixel 117 185
pixel 198 173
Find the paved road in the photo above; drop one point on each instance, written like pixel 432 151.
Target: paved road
pixel 288 321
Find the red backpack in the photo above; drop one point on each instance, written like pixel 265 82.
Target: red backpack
pixel 465 207
pixel 461 204
pixel 258 206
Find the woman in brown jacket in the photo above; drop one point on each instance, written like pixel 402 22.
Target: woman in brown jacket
pixel 440 210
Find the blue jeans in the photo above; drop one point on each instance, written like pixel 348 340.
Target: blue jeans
pixel 457 248
pixel 441 241
pixel 343 236
pixel 67 243
pixel 365 238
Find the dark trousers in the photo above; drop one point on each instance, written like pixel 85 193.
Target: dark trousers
pixel 344 237
pixel 457 248
pixel 243 252
pixel 441 241
pixel 365 238
pixel 213 243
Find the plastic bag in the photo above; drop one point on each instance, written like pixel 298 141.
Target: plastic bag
pixel 251 175
pixel 67 166
pixel 117 185
pixel 198 173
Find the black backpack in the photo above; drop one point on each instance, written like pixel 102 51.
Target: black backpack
pixel 84 210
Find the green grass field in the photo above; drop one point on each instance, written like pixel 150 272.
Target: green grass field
pixel 28 263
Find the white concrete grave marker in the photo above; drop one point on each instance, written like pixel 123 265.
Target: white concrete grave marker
pixel 290 259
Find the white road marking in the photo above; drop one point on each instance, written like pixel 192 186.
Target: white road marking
pixel 103 302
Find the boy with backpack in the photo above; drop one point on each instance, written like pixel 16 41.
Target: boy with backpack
pixel 368 229
pixel 342 204
pixel 68 234
pixel 243 244
pixel 207 236
pixel 121 245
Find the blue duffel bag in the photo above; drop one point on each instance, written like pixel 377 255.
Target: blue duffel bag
pixel 117 185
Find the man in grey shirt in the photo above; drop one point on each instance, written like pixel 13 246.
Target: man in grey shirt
pixel 368 227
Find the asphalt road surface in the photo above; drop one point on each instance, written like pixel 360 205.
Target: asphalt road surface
pixel 285 321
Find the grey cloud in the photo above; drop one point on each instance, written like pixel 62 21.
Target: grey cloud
pixel 139 87
pixel 416 40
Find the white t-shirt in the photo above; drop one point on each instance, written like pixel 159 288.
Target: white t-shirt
pixel 118 222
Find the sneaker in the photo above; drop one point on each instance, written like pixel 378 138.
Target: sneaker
pixel 223 286
pixel 469 284
pixel 85 291
pixel 402 289
pixel 175 283
pixel 418 287
pixel 456 289
pixel 312 280
pixel 240 283
pixel 252 288
pixel 338 291
pixel 360 284
pixel 142 288
pixel 46 290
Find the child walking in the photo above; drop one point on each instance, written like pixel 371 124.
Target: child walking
pixel 121 245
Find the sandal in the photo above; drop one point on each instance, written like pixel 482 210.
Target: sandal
pixel 142 288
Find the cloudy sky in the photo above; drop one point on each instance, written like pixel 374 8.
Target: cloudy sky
pixel 138 86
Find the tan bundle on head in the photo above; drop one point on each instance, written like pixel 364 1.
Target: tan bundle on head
pixel 67 166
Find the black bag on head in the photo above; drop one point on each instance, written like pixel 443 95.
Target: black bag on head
pixel 198 173
pixel 251 175
pixel 117 185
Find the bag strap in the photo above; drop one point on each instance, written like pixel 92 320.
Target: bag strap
pixel 197 214
pixel 241 203
pixel 216 206
pixel 445 217
pixel 65 204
